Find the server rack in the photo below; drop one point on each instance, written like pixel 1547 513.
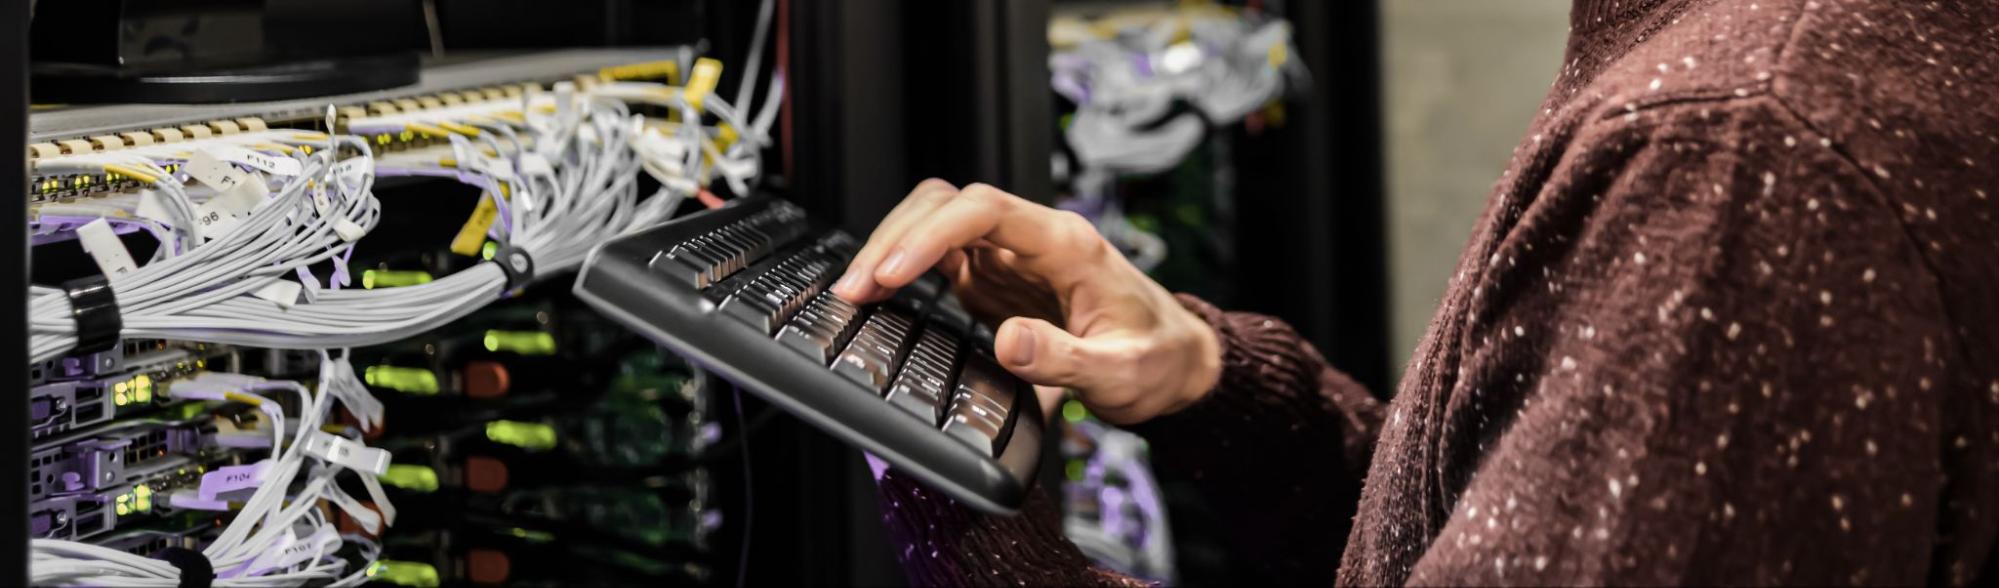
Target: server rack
pixel 14 320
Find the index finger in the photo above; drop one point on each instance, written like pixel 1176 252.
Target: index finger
pixel 857 285
pixel 1046 240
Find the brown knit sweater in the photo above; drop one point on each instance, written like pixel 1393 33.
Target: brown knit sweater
pixel 1731 316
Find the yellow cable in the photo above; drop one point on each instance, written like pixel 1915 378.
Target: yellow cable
pixel 249 399
pixel 427 129
pixel 132 172
pixel 460 129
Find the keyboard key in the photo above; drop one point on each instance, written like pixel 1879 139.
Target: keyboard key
pixel 878 346
pixel 979 408
pixel 978 433
pixel 813 345
pixel 928 286
pixel 683 270
pixel 924 384
pixel 917 401
pixel 952 313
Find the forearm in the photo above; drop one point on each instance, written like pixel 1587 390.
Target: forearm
pixel 1277 450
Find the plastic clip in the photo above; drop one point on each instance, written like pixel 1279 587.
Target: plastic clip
pixel 195 569
pixel 518 266
pixel 95 308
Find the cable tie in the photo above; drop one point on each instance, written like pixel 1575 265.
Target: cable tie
pixel 195 569
pixel 95 308
pixel 517 264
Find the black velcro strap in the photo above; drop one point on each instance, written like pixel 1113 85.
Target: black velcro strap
pixel 95 309
pixel 195 571
pixel 518 266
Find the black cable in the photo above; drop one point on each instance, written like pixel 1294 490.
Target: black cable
pixel 749 490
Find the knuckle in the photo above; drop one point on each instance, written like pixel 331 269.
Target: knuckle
pixel 935 185
pixel 931 196
pixel 1074 232
pixel 986 196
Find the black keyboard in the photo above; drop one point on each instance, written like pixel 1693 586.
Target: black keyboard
pixel 744 290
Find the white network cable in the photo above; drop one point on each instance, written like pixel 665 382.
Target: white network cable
pixel 1227 69
pixel 561 182
pixel 574 187
pixel 1124 87
pixel 274 520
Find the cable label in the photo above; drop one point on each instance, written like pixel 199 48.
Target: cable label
pixel 347 230
pixel 284 293
pixel 472 236
pixel 208 169
pixel 151 208
pixel 231 479
pixel 243 198
pixel 533 164
pixel 212 220
pixel 283 166
pixel 353 169
pixel 101 242
pixel 707 73
pixel 291 551
pixel 339 450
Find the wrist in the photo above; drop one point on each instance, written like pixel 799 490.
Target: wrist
pixel 1207 362
pixel 1200 355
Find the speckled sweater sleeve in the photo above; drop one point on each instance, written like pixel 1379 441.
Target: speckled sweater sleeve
pixel 1277 450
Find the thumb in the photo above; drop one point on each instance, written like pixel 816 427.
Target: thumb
pixel 1042 353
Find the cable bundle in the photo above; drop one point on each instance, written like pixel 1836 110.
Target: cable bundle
pixel 562 182
pixel 280 536
pixel 560 171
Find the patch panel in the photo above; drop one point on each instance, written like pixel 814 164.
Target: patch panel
pixel 489 100
pixel 57 407
pixel 139 499
pixel 119 457
pixel 92 365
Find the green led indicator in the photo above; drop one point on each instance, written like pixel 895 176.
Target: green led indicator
pixel 521 342
pixel 535 536
pixel 1074 412
pixel 407 380
pixel 403 573
pixel 411 477
pixel 142 389
pixel 375 278
pixel 1074 470
pixel 488 250
pixel 530 436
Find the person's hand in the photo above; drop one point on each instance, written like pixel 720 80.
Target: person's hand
pixel 1076 314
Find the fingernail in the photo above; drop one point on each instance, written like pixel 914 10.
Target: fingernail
pixel 1021 352
pixel 849 284
pixel 893 265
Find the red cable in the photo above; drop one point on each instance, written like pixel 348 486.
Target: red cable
pixel 709 199
pixel 790 83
